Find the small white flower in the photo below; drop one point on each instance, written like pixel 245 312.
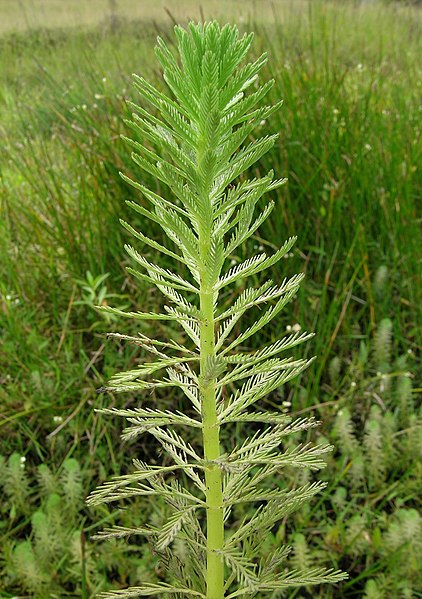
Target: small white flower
pixel 57 419
pixel 286 404
pixel 296 327
pixel 260 247
pixel 22 459
pixel 83 106
pixel 336 111
pixel 263 122
pixel 288 328
pixel 233 262
pixel 359 67
pixel 368 148
pixel 410 351
pixel 104 79
pixel 17 301
pixel 98 96
pixel 8 298
pixel 353 384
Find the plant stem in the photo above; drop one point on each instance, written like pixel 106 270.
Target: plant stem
pixel 211 440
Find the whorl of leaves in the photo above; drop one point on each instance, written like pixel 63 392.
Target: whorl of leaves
pixel 195 138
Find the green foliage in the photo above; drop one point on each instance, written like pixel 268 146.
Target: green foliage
pixel 371 520
pixel 373 591
pixel 26 568
pixel 350 133
pixel 382 345
pixel 95 293
pixel 199 138
pixel 50 556
pixel 380 282
pixel 15 483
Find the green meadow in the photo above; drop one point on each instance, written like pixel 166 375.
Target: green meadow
pixel 350 145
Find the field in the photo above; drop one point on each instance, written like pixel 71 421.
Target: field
pixel 350 77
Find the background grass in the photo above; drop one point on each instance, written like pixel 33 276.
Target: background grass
pixel 349 74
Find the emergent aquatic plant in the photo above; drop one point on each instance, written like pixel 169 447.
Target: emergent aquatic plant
pixel 195 147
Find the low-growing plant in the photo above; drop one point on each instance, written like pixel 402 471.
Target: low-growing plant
pixel 95 293
pixel 193 141
pixel 44 551
pixel 370 524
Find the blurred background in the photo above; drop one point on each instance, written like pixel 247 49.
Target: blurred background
pixel 350 76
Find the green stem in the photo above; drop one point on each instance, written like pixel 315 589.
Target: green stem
pixel 211 440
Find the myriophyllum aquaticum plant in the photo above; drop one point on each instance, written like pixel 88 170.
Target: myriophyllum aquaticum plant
pixel 196 140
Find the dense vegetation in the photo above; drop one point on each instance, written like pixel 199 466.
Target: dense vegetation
pixel 350 146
